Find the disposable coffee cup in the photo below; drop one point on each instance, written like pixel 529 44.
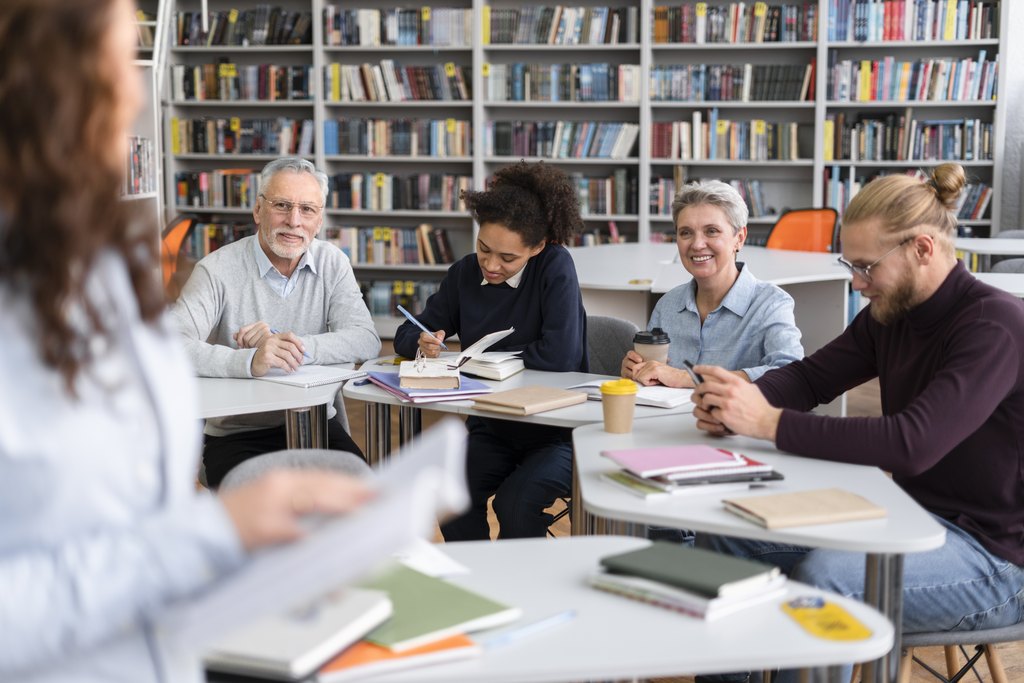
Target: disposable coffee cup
pixel 618 401
pixel 652 345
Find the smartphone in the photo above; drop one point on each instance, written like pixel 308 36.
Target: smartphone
pixel 688 366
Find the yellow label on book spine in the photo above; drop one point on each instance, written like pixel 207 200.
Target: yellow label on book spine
pixel 485 69
pixel 236 124
pixel 410 287
pixel 760 9
pixel 451 125
pixel 825 619
pixel 425 13
pixel 449 69
pixel 702 9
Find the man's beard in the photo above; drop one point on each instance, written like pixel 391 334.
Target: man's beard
pixel 891 307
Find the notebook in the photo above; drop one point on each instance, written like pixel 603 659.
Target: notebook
pixel 427 609
pixel 657 396
pixel 649 489
pixel 700 571
pixel 307 376
pixel 366 659
pixel 665 460
pixel 528 400
pixel 819 506
pixel 389 381
pixel 296 644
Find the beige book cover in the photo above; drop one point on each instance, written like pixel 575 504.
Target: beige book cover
pixel 428 373
pixel 528 400
pixel 820 506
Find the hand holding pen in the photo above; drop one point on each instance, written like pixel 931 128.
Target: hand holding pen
pixel 281 350
pixel 430 343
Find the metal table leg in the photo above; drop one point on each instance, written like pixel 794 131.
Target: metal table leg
pixel 378 432
pixel 306 427
pixel 410 423
pixel 883 590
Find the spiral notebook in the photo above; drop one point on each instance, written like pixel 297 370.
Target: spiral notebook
pixel 307 376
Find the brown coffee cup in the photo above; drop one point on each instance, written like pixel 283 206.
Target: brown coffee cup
pixel 652 345
pixel 618 402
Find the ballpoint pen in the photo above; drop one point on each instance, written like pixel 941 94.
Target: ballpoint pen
pixel 274 330
pixel 513 635
pixel 417 323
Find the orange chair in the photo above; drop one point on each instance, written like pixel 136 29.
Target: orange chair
pixel 170 249
pixel 805 230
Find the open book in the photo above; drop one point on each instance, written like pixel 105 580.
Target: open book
pixel 424 481
pixel 656 395
pixel 476 350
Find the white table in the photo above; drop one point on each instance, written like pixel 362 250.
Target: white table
pixel 616 638
pixel 906 529
pixel 305 409
pixel 1008 282
pixel 379 402
pixel 989 246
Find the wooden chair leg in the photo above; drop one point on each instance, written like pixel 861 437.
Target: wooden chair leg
pixel 952 660
pixel 906 661
pixel 855 676
pixel 995 665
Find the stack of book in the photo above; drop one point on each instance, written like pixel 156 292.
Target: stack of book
pixel 695 582
pixel 680 470
pixel 391 383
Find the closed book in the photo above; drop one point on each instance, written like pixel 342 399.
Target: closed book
pixel 389 381
pixel 296 644
pixel 659 460
pixel 432 373
pixel 693 569
pixel 687 602
pixel 648 491
pixel 427 609
pixel 367 659
pixel 528 400
pixel 819 506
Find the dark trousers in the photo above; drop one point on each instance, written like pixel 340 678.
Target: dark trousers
pixel 221 453
pixel 524 469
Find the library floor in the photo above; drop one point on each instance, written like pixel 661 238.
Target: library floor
pixel 863 401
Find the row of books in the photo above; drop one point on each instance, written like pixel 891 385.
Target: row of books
pixel 875 20
pixel 558 25
pixel 754 140
pixel 389 191
pixel 227 81
pixel 384 296
pixel 889 137
pixel 237 135
pixel 440 26
pixel 594 237
pixel 391 82
pixel 607 195
pixel 383 245
pixel 600 82
pixel 146 21
pixel 141 167
pixel 888 79
pixel 561 139
pixel 732 82
pixel 219 188
pixel 263 25
pixel 663 190
pixel 737 22
pixel 839 190
pixel 399 137
pixel 205 238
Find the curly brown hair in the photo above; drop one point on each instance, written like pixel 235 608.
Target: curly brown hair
pixel 59 187
pixel 537 201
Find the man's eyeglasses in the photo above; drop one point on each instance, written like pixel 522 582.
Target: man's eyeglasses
pixel 865 271
pixel 285 207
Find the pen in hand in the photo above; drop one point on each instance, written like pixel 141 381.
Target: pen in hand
pixel 417 323
pixel 274 330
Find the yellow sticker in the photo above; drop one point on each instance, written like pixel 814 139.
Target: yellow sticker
pixel 410 287
pixel 759 126
pixel 760 9
pixel 227 70
pixel 485 69
pixel 449 69
pixel 722 126
pixel 702 9
pixel 385 234
pixel 825 619
pixel 233 16
pixel 236 124
pixel 379 179
pixel 451 125
pixel 396 287
pixel 378 234
pixel 425 13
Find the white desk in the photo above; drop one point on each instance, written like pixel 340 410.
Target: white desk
pixel 906 529
pixel 990 246
pixel 1008 282
pixel 305 409
pixel 616 638
pixel 379 402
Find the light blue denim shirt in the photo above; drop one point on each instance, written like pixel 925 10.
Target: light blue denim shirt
pixel 753 329
pixel 278 282
pixel 100 523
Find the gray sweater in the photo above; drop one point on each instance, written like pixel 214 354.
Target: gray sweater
pixel 226 292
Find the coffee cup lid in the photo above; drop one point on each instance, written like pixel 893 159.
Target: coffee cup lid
pixel 618 387
pixel 655 336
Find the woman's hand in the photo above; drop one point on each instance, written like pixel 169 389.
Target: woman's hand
pixel 267 511
pixel 430 345
pixel 653 372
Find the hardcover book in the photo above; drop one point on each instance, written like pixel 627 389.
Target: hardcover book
pixel 820 506
pixel 528 400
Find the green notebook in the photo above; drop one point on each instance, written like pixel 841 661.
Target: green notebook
pixel 700 571
pixel 425 609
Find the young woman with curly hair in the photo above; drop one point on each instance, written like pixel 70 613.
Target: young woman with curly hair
pixel 521 276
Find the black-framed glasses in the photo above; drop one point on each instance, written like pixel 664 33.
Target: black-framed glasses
pixel 285 207
pixel 865 271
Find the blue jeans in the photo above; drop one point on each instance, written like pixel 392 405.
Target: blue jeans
pixel 958 587
pixel 524 469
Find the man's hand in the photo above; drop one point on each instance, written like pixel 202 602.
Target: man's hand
pixel 653 372
pixel 250 336
pixel 267 511
pixel 724 402
pixel 430 345
pixel 283 350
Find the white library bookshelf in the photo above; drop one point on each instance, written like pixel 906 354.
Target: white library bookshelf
pixel 581 125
